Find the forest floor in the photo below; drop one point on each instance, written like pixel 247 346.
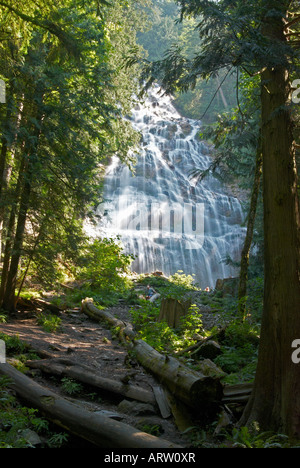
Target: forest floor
pixel 89 343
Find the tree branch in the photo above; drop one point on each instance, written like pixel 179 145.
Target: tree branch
pixel 68 41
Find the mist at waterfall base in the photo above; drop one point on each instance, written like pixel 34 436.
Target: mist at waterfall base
pixel 167 220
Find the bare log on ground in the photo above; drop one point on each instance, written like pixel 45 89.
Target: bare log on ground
pixel 126 332
pixel 88 376
pixel 219 335
pixel 99 315
pixel 239 393
pixel 193 388
pixel 97 429
pixel 33 304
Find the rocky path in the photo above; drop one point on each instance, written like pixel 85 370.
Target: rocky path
pixel 92 344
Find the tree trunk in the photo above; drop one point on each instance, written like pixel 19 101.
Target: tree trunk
pixel 10 234
pixel 243 279
pixel 172 310
pixel 9 295
pixel 93 312
pixel 4 149
pixel 10 124
pixel 28 162
pixel 3 179
pixel 275 401
pixel 100 430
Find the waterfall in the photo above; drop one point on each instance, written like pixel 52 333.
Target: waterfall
pixel 168 221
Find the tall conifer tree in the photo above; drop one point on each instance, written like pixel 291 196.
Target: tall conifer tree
pixel 262 38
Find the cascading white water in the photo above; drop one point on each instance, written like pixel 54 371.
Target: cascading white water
pixel 168 221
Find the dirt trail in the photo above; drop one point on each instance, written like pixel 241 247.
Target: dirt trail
pixel 92 344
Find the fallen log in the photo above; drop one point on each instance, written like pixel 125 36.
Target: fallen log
pixel 193 388
pixel 95 428
pixel 239 393
pixel 34 303
pixel 99 315
pixel 88 376
pixel 214 336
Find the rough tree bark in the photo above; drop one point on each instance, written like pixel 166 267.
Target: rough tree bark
pixel 10 287
pixel 172 310
pixel 10 234
pixel 28 162
pixel 196 390
pixel 275 401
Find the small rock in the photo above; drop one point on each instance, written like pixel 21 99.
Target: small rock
pixel 31 437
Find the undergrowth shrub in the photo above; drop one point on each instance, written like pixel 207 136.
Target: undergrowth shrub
pixel 104 266
pixel 15 419
pixel 158 334
pixel 50 323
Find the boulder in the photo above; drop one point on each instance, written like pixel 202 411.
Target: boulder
pixel 135 408
pixel 31 437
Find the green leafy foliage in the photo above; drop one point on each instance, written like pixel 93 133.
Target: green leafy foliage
pixel 104 265
pixel 13 344
pixel 50 323
pixel 15 419
pixel 158 334
pixel 252 437
pixel 166 33
pixel 62 130
pixel 57 440
pixel 70 386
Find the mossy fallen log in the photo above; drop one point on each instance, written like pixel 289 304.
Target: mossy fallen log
pixel 95 428
pixel 239 393
pixel 194 389
pixel 100 315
